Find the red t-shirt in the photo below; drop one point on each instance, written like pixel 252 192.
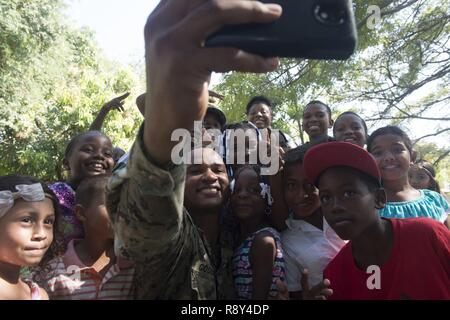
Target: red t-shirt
pixel 418 268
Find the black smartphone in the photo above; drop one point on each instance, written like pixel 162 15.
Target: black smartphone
pixel 311 29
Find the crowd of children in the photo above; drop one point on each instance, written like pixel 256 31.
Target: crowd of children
pixel 287 230
pixel 336 221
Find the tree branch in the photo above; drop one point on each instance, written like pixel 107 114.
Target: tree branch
pixel 387 12
pixel 441 157
pixel 405 118
pixel 431 135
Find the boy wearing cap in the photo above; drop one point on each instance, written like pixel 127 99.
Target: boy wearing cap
pixel 385 258
pixel 214 119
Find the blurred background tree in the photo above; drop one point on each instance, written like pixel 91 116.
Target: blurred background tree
pixel 53 81
pixel 399 75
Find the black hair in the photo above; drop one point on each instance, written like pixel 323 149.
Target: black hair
pixel 256 169
pixel 297 154
pixel 244 125
pixel 140 103
pixel 75 140
pixel 118 153
pixel 427 166
pixel 395 131
pixel 218 114
pixel 259 99
pixel 320 103
pixel 353 114
pixel 429 170
pixel 90 188
pixel 10 182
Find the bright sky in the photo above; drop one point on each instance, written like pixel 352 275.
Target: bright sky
pixel 118 25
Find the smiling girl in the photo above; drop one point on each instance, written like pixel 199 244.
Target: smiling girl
pixel 394 155
pixel 350 127
pixel 27 217
pixel 258 261
pixel 317 120
pixel 88 154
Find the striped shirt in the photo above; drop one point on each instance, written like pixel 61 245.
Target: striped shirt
pixel 70 279
pixel 242 268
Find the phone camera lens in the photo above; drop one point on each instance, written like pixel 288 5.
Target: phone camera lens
pixel 330 13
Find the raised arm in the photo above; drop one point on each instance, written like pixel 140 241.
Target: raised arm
pixel 179 68
pixel 116 103
pixel 146 197
pixel 262 256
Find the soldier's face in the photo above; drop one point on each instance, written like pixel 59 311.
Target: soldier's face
pixel 206 183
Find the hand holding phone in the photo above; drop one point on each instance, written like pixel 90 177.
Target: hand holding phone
pixel 313 29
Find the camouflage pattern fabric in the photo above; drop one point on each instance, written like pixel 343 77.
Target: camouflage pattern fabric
pixel 152 228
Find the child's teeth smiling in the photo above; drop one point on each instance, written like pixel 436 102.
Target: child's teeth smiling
pixel 96 166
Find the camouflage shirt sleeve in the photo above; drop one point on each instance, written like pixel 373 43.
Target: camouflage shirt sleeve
pixel 154 230
pixel 146 206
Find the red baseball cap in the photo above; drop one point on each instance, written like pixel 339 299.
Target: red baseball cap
pixel 339 154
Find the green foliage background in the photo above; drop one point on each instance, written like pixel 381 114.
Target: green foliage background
pixel 54 79
pixel 399 75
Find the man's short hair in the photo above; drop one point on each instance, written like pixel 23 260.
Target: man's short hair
pixel 259 99
pixel 322 104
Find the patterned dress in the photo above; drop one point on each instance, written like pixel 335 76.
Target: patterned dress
pixel 242 268
pixel 69 227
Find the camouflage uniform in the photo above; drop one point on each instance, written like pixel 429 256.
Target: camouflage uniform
pixel 173 258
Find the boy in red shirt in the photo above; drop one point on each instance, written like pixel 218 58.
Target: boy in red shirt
pixel 385 258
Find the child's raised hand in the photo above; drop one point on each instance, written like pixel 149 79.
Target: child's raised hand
pixel 319 292
pixel 178 63
pixel 116 103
